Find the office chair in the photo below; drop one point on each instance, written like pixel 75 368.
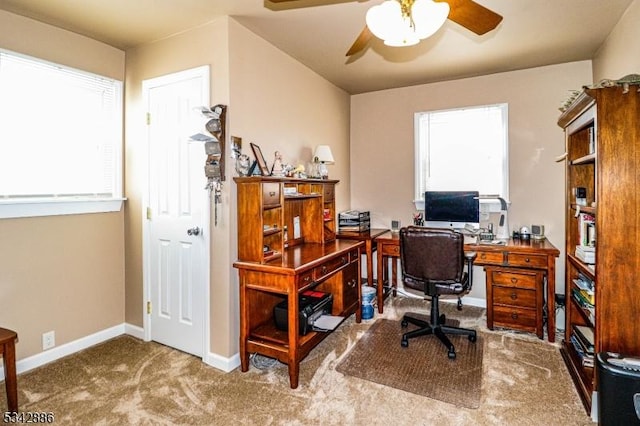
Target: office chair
pixel 433 262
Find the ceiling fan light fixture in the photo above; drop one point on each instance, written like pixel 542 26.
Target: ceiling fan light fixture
pixel 428 17
pixel 406 22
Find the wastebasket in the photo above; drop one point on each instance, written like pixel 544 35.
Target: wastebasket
pixel 618 390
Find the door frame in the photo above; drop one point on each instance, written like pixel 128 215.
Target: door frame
pixel 146 224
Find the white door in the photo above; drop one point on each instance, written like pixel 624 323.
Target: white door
pixel 176 249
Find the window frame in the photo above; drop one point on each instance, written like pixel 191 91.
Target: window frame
pixel 488 202
pixel 40 206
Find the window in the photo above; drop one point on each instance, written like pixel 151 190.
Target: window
pixel 462 149
pixel 60 139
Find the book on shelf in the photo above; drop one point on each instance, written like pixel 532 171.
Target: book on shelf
pixel 586 359
pixel 586 254
pixel 584 283
pixel 584 335
pixel 586 230
pixel 581 298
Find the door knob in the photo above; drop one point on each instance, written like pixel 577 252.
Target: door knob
pixel 193 231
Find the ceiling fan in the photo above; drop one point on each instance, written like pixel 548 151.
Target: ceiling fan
pixel 467 13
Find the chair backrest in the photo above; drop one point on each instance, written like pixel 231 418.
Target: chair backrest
pixel 431 255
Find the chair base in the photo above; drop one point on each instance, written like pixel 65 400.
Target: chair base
pixel 440 330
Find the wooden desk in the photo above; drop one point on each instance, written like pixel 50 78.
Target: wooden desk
pixel 333 267
pixel 515 281
pixel 370 245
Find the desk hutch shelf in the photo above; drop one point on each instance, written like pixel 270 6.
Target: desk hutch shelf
pixel 602 135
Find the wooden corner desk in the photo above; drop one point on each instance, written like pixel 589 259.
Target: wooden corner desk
pixel 516 274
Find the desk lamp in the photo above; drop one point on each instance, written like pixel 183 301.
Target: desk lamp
pixel 503 227
pixel 323 156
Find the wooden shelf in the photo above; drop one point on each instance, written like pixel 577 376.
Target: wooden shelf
pixel 584 209
pixel 271 231
pixel 581 266
pixel 585 159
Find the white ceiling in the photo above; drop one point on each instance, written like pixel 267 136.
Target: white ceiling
pixel 319 32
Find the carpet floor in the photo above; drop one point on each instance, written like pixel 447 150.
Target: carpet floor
pixel 126 381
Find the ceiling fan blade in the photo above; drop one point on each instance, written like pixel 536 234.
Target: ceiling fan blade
pixel 473 16
pixel 361 42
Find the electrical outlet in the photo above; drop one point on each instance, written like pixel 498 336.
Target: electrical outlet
pixel 48 340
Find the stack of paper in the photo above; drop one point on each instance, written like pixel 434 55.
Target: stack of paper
pixel 586 254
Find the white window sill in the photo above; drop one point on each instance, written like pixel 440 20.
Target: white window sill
pixel 57 207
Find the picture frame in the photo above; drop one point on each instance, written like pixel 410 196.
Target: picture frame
pixel 262 164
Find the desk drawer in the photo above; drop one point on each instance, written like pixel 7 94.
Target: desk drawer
pixel 514 296
pixel 354 255
pixel 330 266
pixel 305 279
pixel 391 250
pixel 270 194
pixel 490 258
pixel 527 260
pixel 511 317
pixel 512 279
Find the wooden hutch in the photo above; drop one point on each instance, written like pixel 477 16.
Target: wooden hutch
pixel 287 245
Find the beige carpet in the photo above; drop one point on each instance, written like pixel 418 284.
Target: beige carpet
pixel 422 368
pixel 129 382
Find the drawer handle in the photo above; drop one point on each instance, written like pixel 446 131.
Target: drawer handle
pixel 306 279
pixel 514 296
pixel 353 282
pixel 324 269
pixel 514 316
pixel 343 260
pixel 526 259
pixel 514 280
pixel 272 193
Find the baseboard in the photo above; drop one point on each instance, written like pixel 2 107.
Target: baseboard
pixel 470 301
pixel 134 331
pixel 61 351
pixel 222 363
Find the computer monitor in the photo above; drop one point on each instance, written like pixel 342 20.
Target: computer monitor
pixel 452 209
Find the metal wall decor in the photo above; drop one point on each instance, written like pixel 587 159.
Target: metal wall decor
pixel 214 147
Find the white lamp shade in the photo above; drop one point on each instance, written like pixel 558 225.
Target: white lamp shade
pixel 387 23
pixel 428 17
pixel 323 154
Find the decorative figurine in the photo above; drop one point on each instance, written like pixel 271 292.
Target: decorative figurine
pixel 277 169
pixel 242 165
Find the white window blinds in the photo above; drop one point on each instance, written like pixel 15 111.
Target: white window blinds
pixel 60 132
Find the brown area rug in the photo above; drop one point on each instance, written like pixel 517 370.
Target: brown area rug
pixel 422 368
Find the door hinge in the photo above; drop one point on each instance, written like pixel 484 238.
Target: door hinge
pixel 148 119
pixel 148 213
pixel 149 307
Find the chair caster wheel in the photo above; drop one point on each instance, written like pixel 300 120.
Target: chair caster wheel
pixel 472 338
pixel 442 319
pixel 452 354
pixel 404 324
pixel 404 343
